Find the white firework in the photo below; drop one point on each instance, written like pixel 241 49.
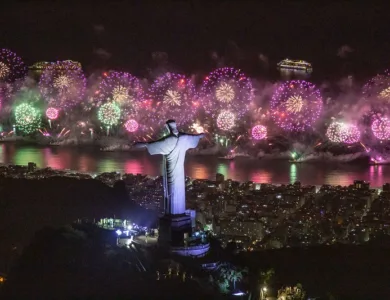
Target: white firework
pixel 385 94
pixel 226 120
pixel 172 98
pixel 198 128
pixel 4 70
pixel 120 94
pixel 225 92
pixel 294 104
pixel 62 82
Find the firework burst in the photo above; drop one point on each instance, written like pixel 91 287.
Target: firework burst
pixel 4 70
pixel 378 87
pixel 52 113
pixel 131 125
pixel 123 88
pixel 28 118
pixel 62 84
pixel 172 96
pixel 226 120
pixel 334 132
pixel 296 105
pixel 109 114
pixel 226 88
pixel 11 66
pixel 259 132
pixel 198 128
pixel 339 132
pixel 381 128
pixel 224 92
pixel 385 94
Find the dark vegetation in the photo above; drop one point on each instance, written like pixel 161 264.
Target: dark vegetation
pixel 68 263
pixel 27 206
pixel 345 271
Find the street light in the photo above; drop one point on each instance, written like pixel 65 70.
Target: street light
pixel 263 292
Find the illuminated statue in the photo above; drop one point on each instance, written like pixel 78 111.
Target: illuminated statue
pixel 173 147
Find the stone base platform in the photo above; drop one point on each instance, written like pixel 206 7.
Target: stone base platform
pixel 174 229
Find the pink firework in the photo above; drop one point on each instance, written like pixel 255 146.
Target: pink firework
pixel 52 113
pixel 62 84
pixel 227 88
pixel 381 128
pixel 121 87
pixel 351 134
pixel 378 87
pixel 339 132
pixel 11 66
pixel 259 132
pixel 173 96
pixel 131 125
pixel 296 105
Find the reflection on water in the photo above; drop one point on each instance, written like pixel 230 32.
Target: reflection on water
pixel 288 74
pixel 109 165
pixel 335 178
pixel 23 156
pixel 261 176
pixel 53 159
pixel 375 173
pixel 203 167
pixel 133 167
pixel 86 163
pixel 223 169
pixel 2 154
pixel 198 170
pixel 293 173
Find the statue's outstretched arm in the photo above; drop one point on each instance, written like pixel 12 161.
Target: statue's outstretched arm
pixel 161 146
pixel 193 139
pixel 139 145
pixel 145 144
pixel 199 135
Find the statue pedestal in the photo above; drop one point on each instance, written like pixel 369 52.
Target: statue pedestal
pixel 173 229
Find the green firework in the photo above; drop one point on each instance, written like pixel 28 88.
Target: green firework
pixel 109 114
pixel 28 118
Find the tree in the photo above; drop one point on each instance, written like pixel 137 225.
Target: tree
pixel 230 274
pixel 266 277
pixel 223 285
pixel 292 293
pixel 235 276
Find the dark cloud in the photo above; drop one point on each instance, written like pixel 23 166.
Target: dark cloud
pixel 98 28
pixel 102 53
pixel 344 50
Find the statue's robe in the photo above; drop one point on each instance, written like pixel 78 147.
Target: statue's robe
pixel 174 148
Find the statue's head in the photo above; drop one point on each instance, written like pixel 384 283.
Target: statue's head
pixel 172 127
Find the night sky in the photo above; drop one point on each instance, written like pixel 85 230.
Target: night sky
pixel 120 35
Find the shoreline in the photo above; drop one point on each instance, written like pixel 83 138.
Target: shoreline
pixel 112 144
pixel 93 175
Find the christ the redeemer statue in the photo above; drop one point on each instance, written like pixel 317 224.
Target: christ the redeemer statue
pixel 173 147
